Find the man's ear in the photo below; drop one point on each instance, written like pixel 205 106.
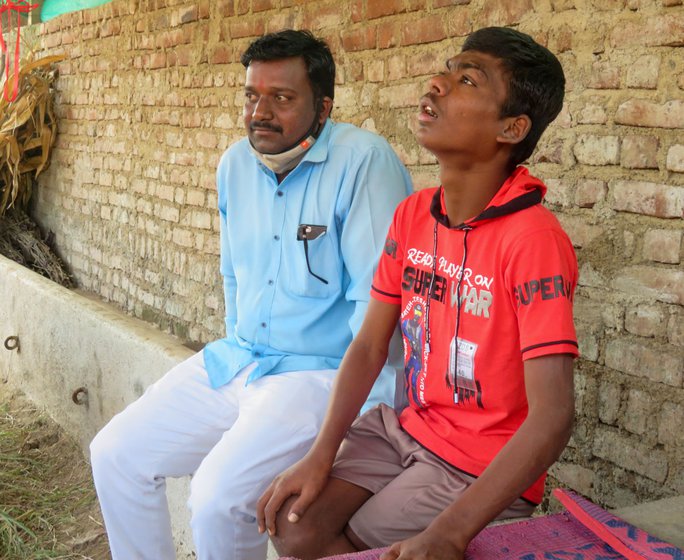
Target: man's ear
pixel 515 129
pixel 325 105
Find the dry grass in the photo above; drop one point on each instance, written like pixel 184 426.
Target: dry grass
pixel 48 508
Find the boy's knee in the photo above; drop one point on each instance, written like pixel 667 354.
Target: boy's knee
pixel 297 540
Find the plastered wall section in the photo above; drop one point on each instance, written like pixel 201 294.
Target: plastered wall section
pixel 64 343
pixel 150 96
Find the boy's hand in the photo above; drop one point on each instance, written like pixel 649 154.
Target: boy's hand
pixel 305 479
pixel 427 545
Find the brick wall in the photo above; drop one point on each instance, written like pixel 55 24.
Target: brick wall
pixel 150 96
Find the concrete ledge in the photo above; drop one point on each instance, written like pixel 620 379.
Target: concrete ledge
pixel 661 518
pixel 68 341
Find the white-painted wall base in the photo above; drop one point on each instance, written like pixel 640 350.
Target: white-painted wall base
pixel 68 341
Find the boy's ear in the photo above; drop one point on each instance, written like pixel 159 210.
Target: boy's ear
pixel 515 129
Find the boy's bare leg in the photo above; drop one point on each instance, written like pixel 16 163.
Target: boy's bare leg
pixel 321 530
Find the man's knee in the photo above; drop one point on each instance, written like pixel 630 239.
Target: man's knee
pixel 105 450
pixel 114 452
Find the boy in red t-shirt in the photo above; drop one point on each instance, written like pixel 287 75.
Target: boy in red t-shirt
pixel 480 278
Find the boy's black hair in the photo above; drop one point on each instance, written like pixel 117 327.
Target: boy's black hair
pixel 536 83
pixel 289 43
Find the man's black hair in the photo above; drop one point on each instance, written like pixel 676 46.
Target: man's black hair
pixel 536 83
pixel 289 43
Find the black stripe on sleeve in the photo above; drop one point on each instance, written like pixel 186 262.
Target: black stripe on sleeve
pixel 554 343
pixel 385 293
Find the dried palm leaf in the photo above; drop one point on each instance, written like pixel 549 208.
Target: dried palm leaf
pixel 27 132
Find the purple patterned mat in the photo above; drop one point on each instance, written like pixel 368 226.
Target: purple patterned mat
pixel 584 532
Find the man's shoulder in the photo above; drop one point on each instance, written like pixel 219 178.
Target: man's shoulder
pixel 359 139
pixel 237 148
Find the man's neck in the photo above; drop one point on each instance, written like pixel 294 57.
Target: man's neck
pixel 467 192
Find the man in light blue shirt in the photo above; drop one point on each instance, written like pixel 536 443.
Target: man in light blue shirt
pixel 305 204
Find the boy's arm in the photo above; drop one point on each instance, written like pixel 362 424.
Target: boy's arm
pixel 534 447
pixel 360 366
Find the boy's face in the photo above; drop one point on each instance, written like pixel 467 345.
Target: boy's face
pixel 461 112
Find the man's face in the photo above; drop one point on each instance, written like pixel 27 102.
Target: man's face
pixel 279 104
pixel 461 112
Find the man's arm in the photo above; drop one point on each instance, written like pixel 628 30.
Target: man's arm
pixel 380 183
pixel 533 448
pixel 360 366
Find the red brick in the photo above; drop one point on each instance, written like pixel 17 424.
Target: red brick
pixel 324 16
pixel 221 55
pixel 645 320
pixel 182 56
pixel 652 283
pixel 206 140
pixel 644 72
pixel 580 232
pixel 359 39
pixel 459 22
pixel 154 60
pixel 639 152
pixel 204 9
pixel 403 95
pixel 242 7
pixel 263 5
pixel 281 19
pixel 357 11
pixel 52 40
pixel 665 30
pixel 675 328
pixel 426 30
pixel 562 5
pixel 589 192
pixel 591 113
pixel 380 8
pixel 651 361
pixel 246 28
pixel 187 15
pixel 675 158
pixel 172 37
pixel 442 3
pixel 603 75
pixel 226 8
pixel 640 112
pixel 663 245
pixel 651 199
pixel 426 63
pixel 597 150
pixel 389 34
pixel 110 27
pixel 505 12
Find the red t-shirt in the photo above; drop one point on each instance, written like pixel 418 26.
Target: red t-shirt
pixel 516 286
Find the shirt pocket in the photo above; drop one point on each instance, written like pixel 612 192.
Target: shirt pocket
pixel 306 279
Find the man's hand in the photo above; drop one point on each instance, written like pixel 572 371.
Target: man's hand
pixel 305 479
pixel 428 545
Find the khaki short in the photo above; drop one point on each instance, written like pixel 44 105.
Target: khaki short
pixel 411 485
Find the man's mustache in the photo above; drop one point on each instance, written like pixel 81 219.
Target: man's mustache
pixel 263 125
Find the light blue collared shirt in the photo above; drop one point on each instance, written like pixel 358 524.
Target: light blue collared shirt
pixel 278 314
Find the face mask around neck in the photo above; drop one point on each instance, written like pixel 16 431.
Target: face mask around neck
pixel 287 160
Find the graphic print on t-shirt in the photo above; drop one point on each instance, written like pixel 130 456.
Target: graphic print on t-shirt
pixel 412 327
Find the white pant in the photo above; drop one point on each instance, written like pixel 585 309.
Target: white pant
pixel 234 440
